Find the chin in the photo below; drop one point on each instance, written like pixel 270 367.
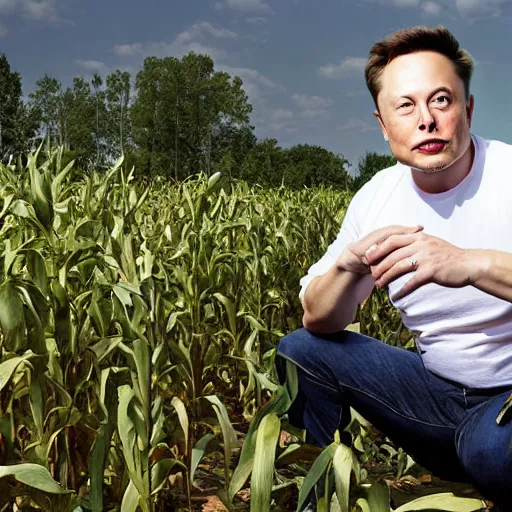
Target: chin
pixel 430 164
pixel 430 169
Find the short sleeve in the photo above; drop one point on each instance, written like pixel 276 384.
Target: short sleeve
pixel 348 233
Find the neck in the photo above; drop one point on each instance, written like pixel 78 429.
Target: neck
pixel 448 178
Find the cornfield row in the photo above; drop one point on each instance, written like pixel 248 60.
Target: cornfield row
pixel 139 324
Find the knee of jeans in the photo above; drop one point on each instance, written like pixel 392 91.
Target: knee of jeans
pixel 297 346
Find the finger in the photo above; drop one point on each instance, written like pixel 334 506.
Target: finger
pixel 379 268
pixel 379 235
pixel 399 269
pixel 392 243
pixel 417 280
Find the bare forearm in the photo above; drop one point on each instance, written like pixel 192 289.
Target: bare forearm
pixel 491 272
pixel 331 300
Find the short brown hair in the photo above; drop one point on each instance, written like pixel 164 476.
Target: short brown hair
pixel 411 40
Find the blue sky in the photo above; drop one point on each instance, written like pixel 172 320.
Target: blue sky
pixel 301 61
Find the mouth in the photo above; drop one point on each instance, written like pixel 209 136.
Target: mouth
pixel 431 145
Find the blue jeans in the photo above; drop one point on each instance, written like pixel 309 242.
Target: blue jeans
pixel 447 428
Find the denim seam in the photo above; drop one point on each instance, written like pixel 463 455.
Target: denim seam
pixel 373 397
pixel 314 376
pixel 395 411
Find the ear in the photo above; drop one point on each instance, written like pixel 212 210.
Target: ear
pixel 470 106
pixel 381 123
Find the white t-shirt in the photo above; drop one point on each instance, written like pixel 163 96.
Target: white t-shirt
pixel 464 334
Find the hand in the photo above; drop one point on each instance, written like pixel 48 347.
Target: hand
pixel 432 260
pixel 353 257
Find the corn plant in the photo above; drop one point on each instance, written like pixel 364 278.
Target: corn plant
pixel 139 322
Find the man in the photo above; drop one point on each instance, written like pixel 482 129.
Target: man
pixel 435 230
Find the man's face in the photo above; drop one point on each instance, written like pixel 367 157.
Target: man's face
pixel 423 98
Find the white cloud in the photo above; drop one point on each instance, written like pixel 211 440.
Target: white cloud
pixel 478 9
pixel 397 3
pixel 257 86
pixel 472 9
pixel 128 50
pixel 277 119
pixel 358 125
pixel 431 8
pixel 164 49
pixel 256 20
pixel 355 94
pixel 3 30
pixel 200 30
pixel 33 10
pixel 189 40
pixel 8 5
pixel 44 10
pixel 93 66
pixel 312 106
pixel 258 6
pixel 281 114
pixel 405 3
pixel 317 102
pixel 350 66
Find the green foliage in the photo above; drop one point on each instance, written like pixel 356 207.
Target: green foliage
pixel 370 165
pixel 180 107
pixel 138 327
pixel 123 320
pixel 17 124
pixel 118 113
pixel 184 118
pixel 46 100
pixel 297 167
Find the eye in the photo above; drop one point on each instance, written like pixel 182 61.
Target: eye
pixel 442 100
pixel 405 108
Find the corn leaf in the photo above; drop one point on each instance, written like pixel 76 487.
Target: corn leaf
pixel 228 432
pixel 37 268
pixel 378 497
pixel 131 498
pixel 278 404
pixel 342 463
pixel 8 367
pixel 505 412
pixel 363 505
pixel 316 472
pixel 181 411
pixel 99 452
pixel 442 501
pixel 12 319
pixel 198 452
pixel 230 310
pixel 161 470
pixel 33 475
pixel 264 456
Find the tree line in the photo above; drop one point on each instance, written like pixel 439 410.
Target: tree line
pixel 175 118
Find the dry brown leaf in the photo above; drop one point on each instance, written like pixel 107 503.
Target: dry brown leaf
pixel 213 504
pixel 285 439
pixel 425 479
pixel 244 495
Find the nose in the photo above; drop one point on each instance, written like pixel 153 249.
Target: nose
pixel 427 121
